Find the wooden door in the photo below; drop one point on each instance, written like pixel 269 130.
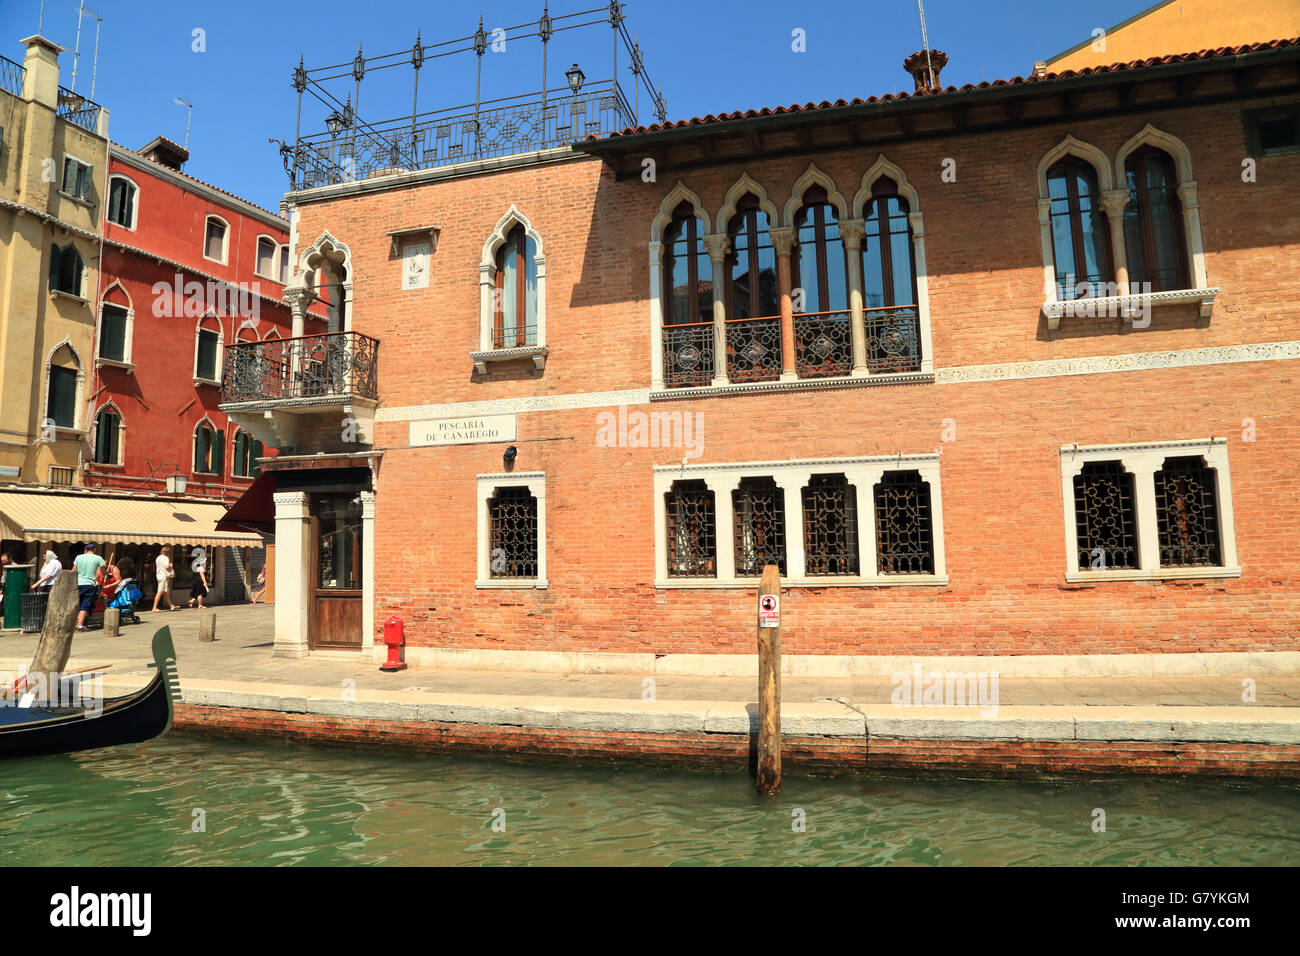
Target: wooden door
pixel 336 578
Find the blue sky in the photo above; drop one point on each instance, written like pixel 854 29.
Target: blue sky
pixel 709 57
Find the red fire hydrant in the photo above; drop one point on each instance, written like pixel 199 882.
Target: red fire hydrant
pixel 394 637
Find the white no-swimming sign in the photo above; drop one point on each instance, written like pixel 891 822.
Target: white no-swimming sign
pixel 471 430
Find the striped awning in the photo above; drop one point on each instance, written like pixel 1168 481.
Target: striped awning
pixel 42 515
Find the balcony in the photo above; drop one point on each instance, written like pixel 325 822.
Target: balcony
pixel 270 387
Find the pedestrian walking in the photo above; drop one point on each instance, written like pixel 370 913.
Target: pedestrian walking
pixel 261 585
pixel 87 566
pixel 163 573
pixel 199 589
pixel 50 572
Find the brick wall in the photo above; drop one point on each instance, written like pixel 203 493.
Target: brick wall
pixel 1001 500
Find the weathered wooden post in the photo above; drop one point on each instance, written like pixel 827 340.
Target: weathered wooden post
pixel 112 619
pixel 207 626
pixel 55 645
pixel 769 681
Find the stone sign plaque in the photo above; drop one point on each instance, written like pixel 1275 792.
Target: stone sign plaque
pixel 470 430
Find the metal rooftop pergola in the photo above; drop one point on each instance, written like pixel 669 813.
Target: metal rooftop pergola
pixel 351 149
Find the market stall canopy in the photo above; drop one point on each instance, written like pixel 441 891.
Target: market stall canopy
pixel 255 509
pixel 42 515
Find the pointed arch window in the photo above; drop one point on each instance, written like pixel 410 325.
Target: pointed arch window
pixel 209 444
pixel 819 272
pixel 689 290
pixel 1154 237
pixel 752 281
pixel 108 436
pixel 515 300
pixel 61 398
pixel 1080 235
pixel 888 263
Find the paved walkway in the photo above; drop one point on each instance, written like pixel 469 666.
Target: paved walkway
pixel 242 655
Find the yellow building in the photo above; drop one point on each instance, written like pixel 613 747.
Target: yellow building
pixel 53 179
pixel 1182 26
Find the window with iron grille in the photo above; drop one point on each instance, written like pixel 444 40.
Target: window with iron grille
pixel 512 519
pixel 692 539
pixel 830 527
pixel 60 476
pixel 1106 516
pixel 1187 513
pixel 904 529
pixel 759 507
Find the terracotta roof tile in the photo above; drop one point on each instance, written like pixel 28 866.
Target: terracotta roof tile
pixel 969 87
pixel 177 172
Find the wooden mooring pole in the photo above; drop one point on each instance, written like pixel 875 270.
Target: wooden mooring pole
pixel 769 681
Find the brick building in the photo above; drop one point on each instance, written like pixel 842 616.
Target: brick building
pixel 1005 369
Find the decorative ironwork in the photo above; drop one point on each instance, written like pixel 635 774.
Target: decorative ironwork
pixel 1187 514
pixel 759 508
pixel 830 526
pixel 11 76
pixel 893 340
pixel 754 349
pixel 512 515
pixel 688 355
pixel 494 128
pixel 823 344
pixel 514 338
pixel 904 529
pixel 338 363
pixel 1105 517
pixel 692 542
pixel 78 110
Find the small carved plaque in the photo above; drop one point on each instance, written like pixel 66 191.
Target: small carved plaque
pixel 415 265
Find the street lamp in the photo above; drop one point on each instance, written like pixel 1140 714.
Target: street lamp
pixel 576 77
pixel 338 122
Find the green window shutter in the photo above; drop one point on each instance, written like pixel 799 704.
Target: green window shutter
pixel 69 175
pixel 207 367
pixel 56 267
pixel 218 453
pixel 257 453
pixel 83 181
pixel 112 334
pixel 239 466
pixel 116 201
pixel 201 450
pixel 106 436
pixel 63 396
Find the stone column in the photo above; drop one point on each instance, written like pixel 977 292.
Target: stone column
pixel 915 220
pixel 367 570
pixel 1114 201
pixel 783 243
pixel 656 317
pixel 864 481
pixel 1192 232
pixel 853 233
pixel 1143 466
pixel 717 245
pixel 294 567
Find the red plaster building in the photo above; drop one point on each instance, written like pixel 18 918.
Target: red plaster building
pixel 1005 369
pixel 188 269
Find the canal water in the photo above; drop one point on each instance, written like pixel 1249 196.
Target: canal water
pixel 187 800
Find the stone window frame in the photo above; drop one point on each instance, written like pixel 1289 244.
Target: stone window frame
pixel 791 477
pixel 112 406
pixel 1114 196
pixel 487 274
pixel 276 246
pixel 218 441
pixel 135 202
pixel 535 482
pixel 1143 460
pixel 79 426
pixel 126 361
pixel 210 316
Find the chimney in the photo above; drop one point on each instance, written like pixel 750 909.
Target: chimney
pixel 925 69
pixel 166 153
pixel 41 82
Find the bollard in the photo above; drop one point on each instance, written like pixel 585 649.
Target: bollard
pixel 112 619
pixel 207 626
pixel 769 682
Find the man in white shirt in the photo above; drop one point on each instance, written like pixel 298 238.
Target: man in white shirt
pixel 163 572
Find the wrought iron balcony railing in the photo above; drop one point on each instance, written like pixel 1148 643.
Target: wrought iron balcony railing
pixel 495 128
pixel 823 344
pixel 75 108
pixel 893 340
pixel 688 355
pixel 516 338
pixel 11 76
pixel 754 349
pixel 342 364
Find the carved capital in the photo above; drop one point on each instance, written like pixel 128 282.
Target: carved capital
pixel 782 239
pixel 853 231
pixel 1114 201
pixel 718 246
pixel 1187 195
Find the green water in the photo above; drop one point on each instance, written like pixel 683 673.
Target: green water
pixel 285 804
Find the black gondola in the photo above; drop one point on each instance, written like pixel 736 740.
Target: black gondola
pixel 143 715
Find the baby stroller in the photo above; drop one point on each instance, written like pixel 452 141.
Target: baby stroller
pixel 125 599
